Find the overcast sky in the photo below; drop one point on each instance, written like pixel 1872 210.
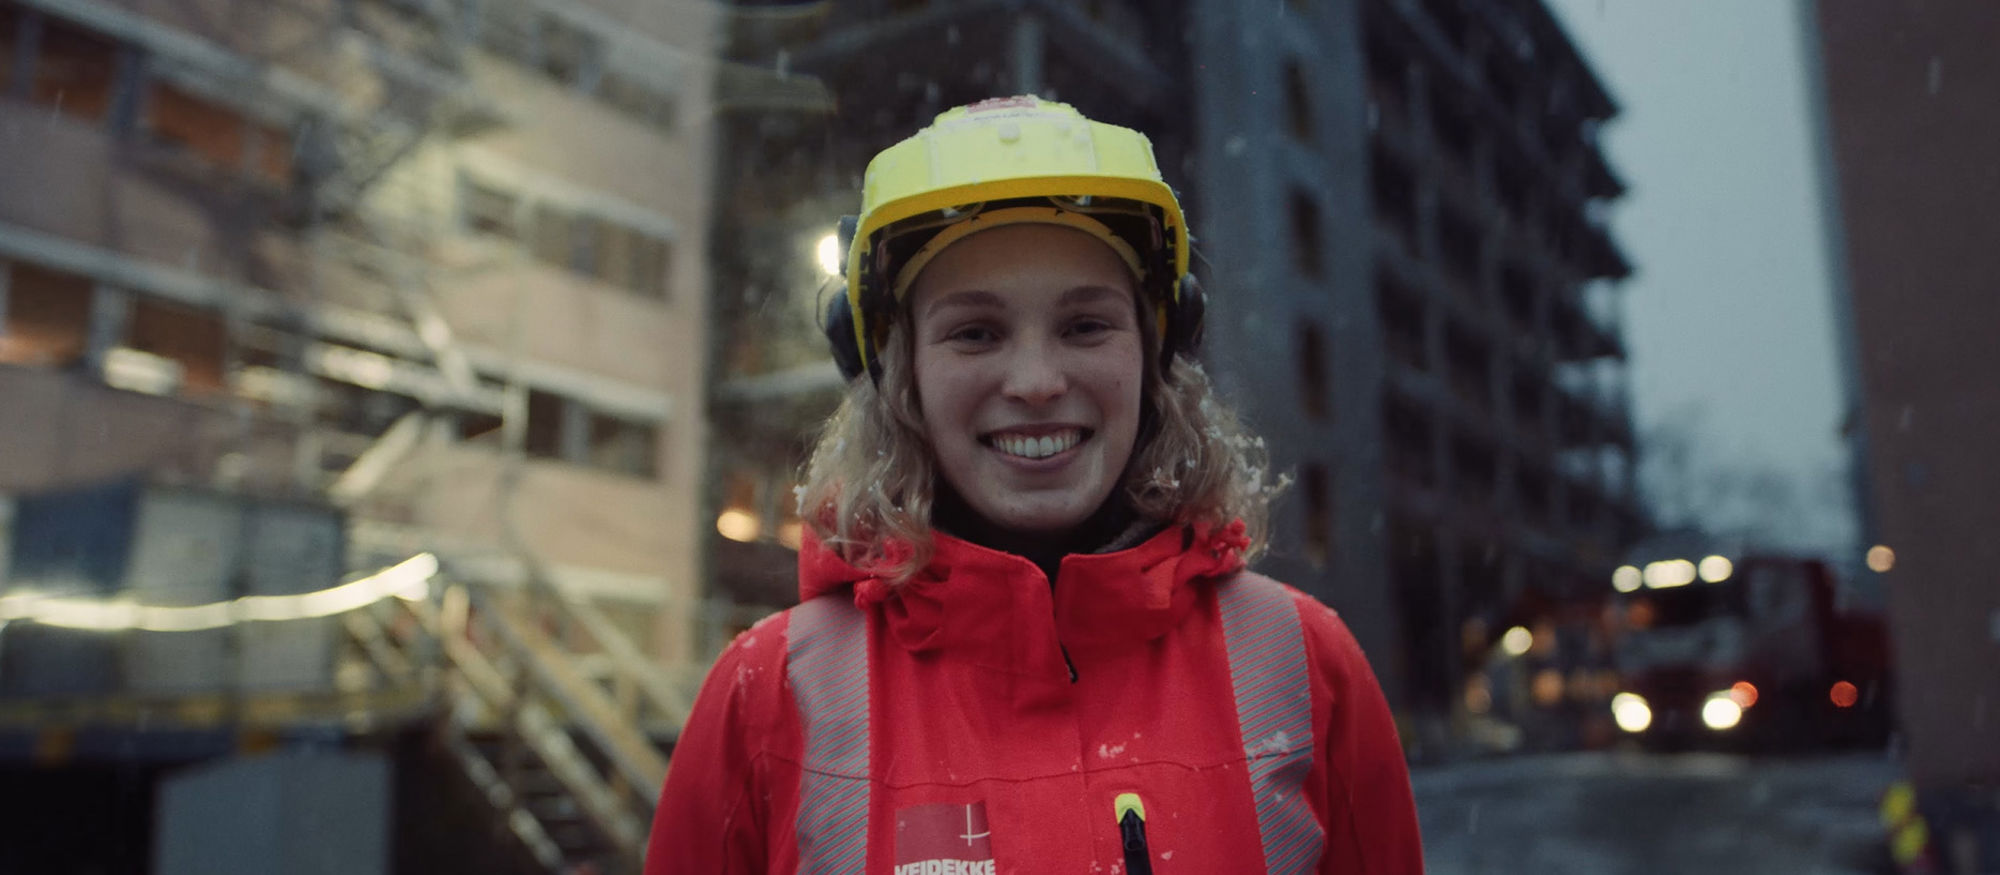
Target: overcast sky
pixel 1728 318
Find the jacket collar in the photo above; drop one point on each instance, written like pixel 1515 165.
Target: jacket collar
pixel 999 609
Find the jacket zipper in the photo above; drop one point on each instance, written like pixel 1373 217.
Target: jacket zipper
pixel 1067 663
pixel 1131 814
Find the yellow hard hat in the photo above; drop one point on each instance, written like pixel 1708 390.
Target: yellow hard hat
pixel 1002 161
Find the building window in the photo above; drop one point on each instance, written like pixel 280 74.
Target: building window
pixel 1474 469
pixel 196 125
pixel 1459 239
pixel 1451 129
pixel 625 446
pixel 1311 352
pixel 1319 513
pixel 1298 104
pixel 1305 234
pixel 75 71
pixel 10 36
pixel 617 254
pixel 570 430
pixel 47 317
pixel 1394 196
pixel 485 209
pixel 1407 442
pixel 1517 296
pixel 197 341
pixel 571 55
pixel 1402 317
pixel 1468 361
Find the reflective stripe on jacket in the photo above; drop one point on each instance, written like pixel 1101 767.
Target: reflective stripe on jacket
pixel 936 728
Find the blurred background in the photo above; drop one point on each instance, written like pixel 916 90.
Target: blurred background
pixel 401 400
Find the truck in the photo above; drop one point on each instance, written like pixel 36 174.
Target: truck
pixel 1755 651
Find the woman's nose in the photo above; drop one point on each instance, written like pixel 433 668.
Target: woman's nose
pixel 1035 374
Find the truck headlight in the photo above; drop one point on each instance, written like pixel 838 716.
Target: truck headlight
pixel 1721 712
pixel 1631 712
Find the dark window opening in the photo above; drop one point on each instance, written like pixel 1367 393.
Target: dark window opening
pixel 1298 103
pixel 1532 485
pixel 1517 296
pixel 1319 513
pixel 1459 239
pixel 553 242
pixel 489 210
pixel 1527 397
pixel 195 125
pixel 1511 184
pixel 586 244
pixel 1474 469
pixel 1451 129
pixel 1388 77
pixel 1504 84
pixel 623 445
pixel 1427 644
pixel 570 55
pixel 1305 234
pixel 1468 364
pixel 483 428
pixel 1394 194
pixel 354 410
pixel 10 36
pixel 1311 353
pixel 1451 21
pixel 1582 506
pixel 1406 435
pixel 197 341
pixel 1402 318
pixel 76 71
pixel 545 424
pixel 47 317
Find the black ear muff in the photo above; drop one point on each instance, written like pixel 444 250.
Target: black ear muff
pixel 839 328
pixel 1184 323
pixel 839 322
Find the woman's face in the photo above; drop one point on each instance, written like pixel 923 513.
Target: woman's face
pixel 1029 363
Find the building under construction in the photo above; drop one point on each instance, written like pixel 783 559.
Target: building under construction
pixel 1399 214
pixel 352 414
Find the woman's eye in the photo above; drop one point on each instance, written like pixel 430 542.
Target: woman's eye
pixel 972 334
pixel 1087 327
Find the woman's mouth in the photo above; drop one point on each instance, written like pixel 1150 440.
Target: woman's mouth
pixel 1036 446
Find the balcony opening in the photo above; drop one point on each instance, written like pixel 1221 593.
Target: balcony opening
pixel 1394 195
pixel 1474 468
pixel 1517 297
pixel 1459 239
pixel 1468 363
pixel 1406 445
pixel 1451 21
pixel 1402 318
pixel 624 446
pixel 1427 645
pixel 1388 83
pixel 487 209
pixel 1452 130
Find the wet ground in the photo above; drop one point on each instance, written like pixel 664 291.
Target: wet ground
pixel 1610 813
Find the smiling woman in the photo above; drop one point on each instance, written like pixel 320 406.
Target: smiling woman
pixel 1026 620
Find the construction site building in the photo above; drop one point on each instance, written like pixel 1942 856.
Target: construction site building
pixel 430 277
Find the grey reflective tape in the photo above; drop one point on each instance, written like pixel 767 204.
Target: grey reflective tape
pixel 828 670
pixel 1267 664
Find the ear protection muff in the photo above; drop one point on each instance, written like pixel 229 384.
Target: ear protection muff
pixel 839 322
pixel 1181 334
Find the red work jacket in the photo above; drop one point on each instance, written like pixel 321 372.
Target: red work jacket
pixel 977 720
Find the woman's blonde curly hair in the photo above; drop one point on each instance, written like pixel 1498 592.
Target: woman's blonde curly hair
pixel 870 481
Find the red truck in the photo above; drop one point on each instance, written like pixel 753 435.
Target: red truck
pixel 1760 651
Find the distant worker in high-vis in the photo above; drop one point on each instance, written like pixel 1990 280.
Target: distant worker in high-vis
pixel 1027 640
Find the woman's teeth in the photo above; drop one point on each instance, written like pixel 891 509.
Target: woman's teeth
pixel 1038 447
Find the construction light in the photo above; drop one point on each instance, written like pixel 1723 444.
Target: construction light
pixel 829 254
pixel 1627 579
pixel 1631 712
pixel 1716 569
pixel 1517 641
pixel 1721 712
pixel 409 580
pixel 1881 558
pixel 738 525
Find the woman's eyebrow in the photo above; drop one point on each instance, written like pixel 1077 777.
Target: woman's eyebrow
pixel 965 298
